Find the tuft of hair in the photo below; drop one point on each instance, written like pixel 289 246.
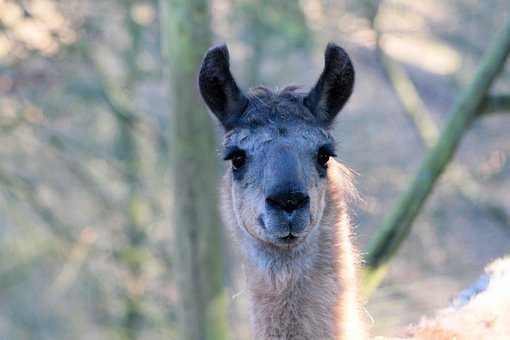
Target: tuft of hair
pixel 266 106
pixel 262 95
pixel 349 314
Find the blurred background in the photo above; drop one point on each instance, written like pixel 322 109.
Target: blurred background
pixel 90 97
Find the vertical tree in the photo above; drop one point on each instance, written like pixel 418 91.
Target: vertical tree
pixel 195 220
pixel 128 153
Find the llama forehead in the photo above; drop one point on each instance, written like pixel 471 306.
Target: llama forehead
pixel 266 107
pixel 297 135
pixel 276 116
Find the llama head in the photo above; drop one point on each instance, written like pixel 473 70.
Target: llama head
pixel 278 146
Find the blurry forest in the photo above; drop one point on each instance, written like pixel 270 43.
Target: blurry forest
pixel 92 100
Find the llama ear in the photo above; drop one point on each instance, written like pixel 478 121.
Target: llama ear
pixel 334 86
pixel 218 87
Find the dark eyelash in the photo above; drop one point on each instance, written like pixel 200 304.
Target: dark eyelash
pixel 328 149
pixel 231 152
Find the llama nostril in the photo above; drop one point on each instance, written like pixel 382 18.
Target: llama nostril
pixel 288 201
pixel 260 219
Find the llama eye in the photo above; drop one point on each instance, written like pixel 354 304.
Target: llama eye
pixel 238 160
pixel 322 159
pixel 323 156
pixel 236 156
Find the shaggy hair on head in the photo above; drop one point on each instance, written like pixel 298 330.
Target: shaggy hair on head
pixel 266 106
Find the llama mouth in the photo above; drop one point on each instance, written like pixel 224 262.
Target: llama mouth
pixel 289 239
pixel 289 242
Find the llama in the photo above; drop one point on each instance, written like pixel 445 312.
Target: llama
pixel 285 199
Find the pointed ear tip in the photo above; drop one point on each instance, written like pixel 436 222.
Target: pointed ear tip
pixel 216 56
pixel 335 51
pixel 216 51
pixel 332 45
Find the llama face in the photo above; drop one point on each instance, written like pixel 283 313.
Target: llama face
pixel 277 156
pixel 277 146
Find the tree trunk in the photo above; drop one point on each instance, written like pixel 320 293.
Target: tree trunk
pixel 199 269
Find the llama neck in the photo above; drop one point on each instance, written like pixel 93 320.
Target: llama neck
pixel 295 305
pixel 318 300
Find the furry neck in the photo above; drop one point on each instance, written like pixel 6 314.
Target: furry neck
pixel 296 300
pixel 314 294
